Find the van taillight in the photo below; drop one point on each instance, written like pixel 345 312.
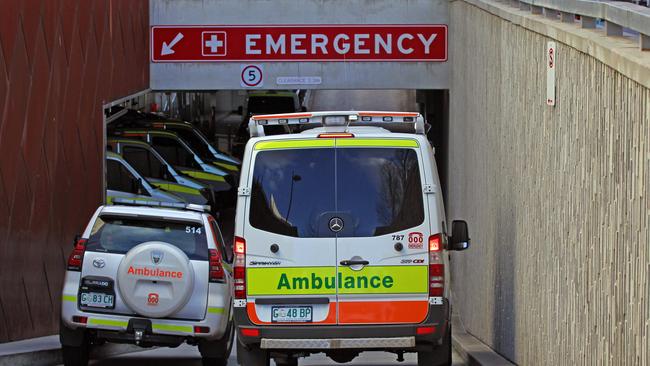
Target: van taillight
pixel 436 269
pixel 216 269
pixel 240 268
pixel 76 258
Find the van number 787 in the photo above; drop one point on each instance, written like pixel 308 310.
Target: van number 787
pixel 398 237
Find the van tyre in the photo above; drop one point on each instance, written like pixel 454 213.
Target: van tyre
pixel 438 356
pixel 216 352
pixel 251 355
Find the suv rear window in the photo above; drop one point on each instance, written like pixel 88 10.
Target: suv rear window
pixel 116 234
pixel 379 188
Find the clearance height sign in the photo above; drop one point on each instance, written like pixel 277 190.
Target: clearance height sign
pixel 317 43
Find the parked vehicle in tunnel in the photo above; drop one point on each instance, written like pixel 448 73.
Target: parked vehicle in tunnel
pixel 123 181
pixel 186 131
pixel 150 274
pixel 176 151
pixel 266 102
pixel 158 172
pixel 341 241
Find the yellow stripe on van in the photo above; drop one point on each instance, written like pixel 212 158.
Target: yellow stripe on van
pixel 307 280
pixel 357 142
pixel 216 310
pixel 204 176
pixel 324 280
pixel 230 167
pixel 293 144
pixel 177 188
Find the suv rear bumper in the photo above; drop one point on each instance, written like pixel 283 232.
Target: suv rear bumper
pixel 385 336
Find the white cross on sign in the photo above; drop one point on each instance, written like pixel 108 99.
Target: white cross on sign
pixel 214 43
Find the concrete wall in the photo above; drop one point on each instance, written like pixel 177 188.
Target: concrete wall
pixel 60 62
pixel 556 197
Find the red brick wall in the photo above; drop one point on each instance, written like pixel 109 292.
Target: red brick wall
pixel 60 61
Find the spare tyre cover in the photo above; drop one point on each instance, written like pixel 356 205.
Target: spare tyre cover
pixel 155 279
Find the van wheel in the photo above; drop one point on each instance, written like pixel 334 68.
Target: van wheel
pixel 75 356
pixel 438 356
pixel 252 355
pixel 216 352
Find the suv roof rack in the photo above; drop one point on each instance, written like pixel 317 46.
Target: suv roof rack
pixel 160 204
pixel 392 121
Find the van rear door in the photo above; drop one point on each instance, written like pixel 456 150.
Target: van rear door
pixel 290 251
pixel 382 251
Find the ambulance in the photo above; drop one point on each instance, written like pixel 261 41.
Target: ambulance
pixel 341 240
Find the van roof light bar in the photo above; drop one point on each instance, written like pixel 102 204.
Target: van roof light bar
pixel 392 121
pixel 160 204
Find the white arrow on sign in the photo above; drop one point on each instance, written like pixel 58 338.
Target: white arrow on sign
pixel 167 48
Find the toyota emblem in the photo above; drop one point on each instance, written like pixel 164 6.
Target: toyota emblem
pixel 99 262
pixel 157 256
pixel 336 224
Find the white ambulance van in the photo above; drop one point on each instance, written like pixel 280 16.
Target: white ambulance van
pixel 341 239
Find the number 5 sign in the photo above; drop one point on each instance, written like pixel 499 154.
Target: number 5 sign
pixel 252 76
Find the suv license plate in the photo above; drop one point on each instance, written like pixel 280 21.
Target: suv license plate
pixel 291 314
pixel 97 299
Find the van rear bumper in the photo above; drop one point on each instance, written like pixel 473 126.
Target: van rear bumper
pixel 334 336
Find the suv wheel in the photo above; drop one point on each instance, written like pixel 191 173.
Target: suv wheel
pixel 75 347
pixel 75 356
pixel 216 352
pixel 438 356
pixel 251 355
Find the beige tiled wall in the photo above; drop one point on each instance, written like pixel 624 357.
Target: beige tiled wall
pixel 557 198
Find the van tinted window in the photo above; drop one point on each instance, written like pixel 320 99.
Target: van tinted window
pixel 376 190
pixel 118 178
pixel 380 189
pixel 292 190
pixel 174 152
pixel 115 234
pixel 144 162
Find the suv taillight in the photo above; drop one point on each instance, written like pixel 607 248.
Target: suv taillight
pixel 436 269
pixel 216 269
pixel 76 258
pixel 240 268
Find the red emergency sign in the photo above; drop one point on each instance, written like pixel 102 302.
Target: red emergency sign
pixel 299 43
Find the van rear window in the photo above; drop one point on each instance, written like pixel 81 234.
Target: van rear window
pixel 295 192
pixel 117 234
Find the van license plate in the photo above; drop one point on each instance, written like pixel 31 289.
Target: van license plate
pixel 291 314
pixel 97 299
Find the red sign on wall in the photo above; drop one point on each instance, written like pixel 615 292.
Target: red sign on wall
pixel 299 43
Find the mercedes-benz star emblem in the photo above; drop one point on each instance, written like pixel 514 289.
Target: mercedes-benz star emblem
pixel 157 256
pixel 99 262
pixel 336 224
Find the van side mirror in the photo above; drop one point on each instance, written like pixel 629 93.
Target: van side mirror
pixel 240 110
pixel 303 109
pixel 164 172
pixel 459 235
pixel 136 186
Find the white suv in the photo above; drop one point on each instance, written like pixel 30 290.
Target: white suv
pixel 155 275
pixel 341 240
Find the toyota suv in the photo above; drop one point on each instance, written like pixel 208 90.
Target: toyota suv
pixel 341 239
pixel 151 274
